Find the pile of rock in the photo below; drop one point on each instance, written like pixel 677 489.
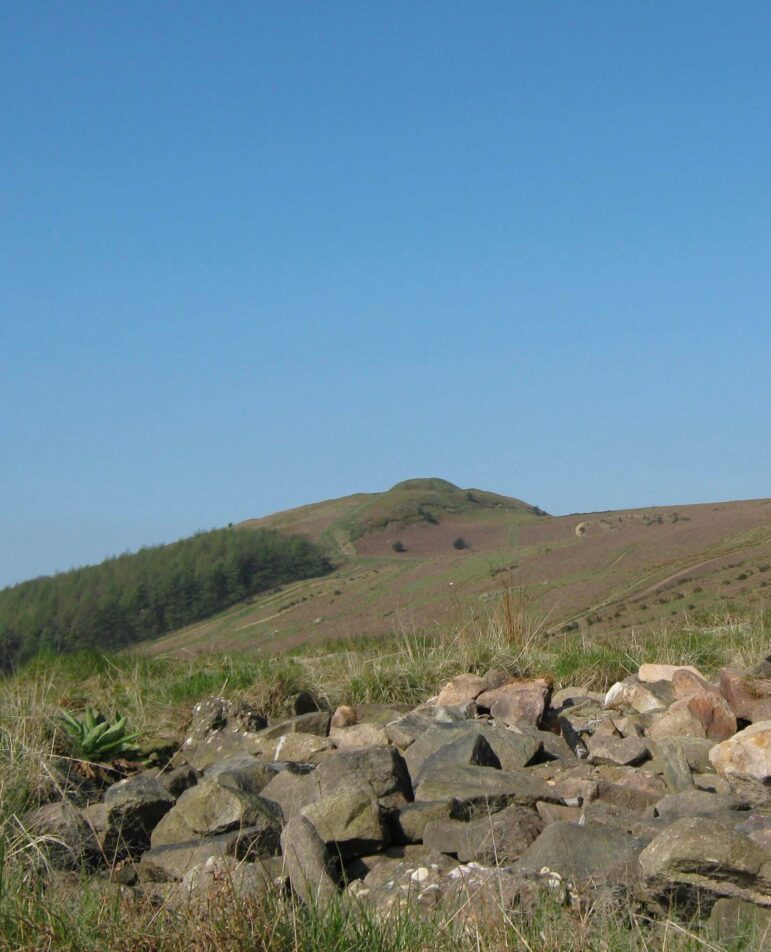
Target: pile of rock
pixel 473 802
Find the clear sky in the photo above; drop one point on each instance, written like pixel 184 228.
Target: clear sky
pixel 258 254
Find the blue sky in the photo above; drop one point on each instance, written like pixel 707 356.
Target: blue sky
pixel 254 255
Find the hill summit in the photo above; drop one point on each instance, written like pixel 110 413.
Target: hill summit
pixel 365 523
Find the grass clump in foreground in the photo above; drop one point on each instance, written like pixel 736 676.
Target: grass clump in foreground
pixel 86 916
pixel 41 909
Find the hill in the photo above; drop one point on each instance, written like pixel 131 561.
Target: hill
pixel 608 571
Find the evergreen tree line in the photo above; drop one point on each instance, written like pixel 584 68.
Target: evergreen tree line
pixel 137 596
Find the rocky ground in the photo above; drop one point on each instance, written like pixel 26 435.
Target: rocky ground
pixel 467 807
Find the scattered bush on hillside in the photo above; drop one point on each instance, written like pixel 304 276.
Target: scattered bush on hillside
pixel 134 597
pixel 399 546
pixel 460 543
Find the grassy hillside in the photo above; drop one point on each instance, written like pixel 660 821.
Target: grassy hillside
pixel 605 572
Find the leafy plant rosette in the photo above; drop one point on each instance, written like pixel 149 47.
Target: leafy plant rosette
pixel 94 738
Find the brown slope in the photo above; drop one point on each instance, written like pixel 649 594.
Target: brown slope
pixel 630 568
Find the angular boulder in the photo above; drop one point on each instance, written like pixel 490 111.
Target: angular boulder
pixel 610 749
pixel 461 690
pixel 299 747
pixel 134 807
pixel 453 744
pixel 308 862
pixel 518 701
pixel 486 785
pixel 408 824
pixel 700 714
pixel 708 855
pixel 745 762
pixel 66 838
pixel 467 897
pixel 749 697
pixel 497 839
pixel 290 790
pixel 170 863
pixel 217 880
pixel 376 771
pixel 209 808
pixel 349 822
pixel 631 695
pixel 358 736
pixel 592 852
pixel 741 925
pixel 246 772
pixel 651 673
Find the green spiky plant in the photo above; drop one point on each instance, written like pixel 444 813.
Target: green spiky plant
pixel 93 737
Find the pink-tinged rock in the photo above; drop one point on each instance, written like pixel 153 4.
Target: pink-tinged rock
pixel 714 713
pixel 344 716
pixel 749 698
pixel 628 694
pixel 704 715
pixel 358 736
pixel 650 673
pixel 516 702
pixel 685 683
pixel 745 762
pixel 461 690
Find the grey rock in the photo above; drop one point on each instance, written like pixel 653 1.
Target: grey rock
pixel 455 713
pixel 170 863
pixel 741 924
pixel 593 852
pixel 756 826
pixel 405 730
pixel 245 772
pixel 470 748
pixel 511 750
pixel 134 807
pixel 315 722
pixel 349 822
pixel 216 713
pixel 498 788
pixel 438 889
pixel 674 765
pixel 179 779
pixel 61 832
pixel 703 854
pixel 633 788
pixel 377 772
pixel 694 802
pixel 694 749
pixel 216 746
pixel 392 856
pixel 551 812
pixel 497 839
pixel 308 862
pixel 408 823
pixel 209 808
pixel 622 751
pixel 218 879
pixel 290 790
